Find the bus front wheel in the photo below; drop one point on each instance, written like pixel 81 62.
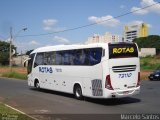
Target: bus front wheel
pixel 37 85
pixel 78 92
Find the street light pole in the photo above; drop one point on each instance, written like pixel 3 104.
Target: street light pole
pixel 10 49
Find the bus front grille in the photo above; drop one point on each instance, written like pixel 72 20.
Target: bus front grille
pixel 125 68
pixel 97 87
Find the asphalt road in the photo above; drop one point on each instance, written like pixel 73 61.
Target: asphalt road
pixel 17 94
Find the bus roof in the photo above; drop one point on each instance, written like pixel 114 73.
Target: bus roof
pixel 74 46
pixel 68 47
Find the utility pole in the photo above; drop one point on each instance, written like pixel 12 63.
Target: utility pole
pixel 10 49
pixel 21 59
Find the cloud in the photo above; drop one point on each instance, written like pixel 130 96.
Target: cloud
pixel 139 11
pixel 149 25
pixel 33 42
pixel 155 8
pixel 48 24
pixel 61 40
pixel 25 46
pixel 107 21
pixel 137 22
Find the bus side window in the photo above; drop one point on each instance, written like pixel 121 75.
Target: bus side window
pixel 77 55
pixel 39 59
pixel 53 58
pixel 84 59
pixel 71 57
pixel 95 55
pixel 65 58
pixel 58 58
pixel 47 58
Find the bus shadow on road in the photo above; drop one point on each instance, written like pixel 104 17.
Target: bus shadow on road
pixel 54 92
pixel 114 101
pixel 107 102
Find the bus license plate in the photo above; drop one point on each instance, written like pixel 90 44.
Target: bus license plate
pixel 125 92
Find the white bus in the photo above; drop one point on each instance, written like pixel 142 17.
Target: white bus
pixel 101 70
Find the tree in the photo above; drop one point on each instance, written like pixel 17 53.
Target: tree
pixel 152 41
pixel 4 52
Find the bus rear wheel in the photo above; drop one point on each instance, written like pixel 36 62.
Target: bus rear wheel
pixel 78 92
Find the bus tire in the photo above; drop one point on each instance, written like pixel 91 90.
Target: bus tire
pixel 78 92
pixel 36 84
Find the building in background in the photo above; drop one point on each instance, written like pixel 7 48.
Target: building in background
pixel 135 31
pixel 144 52
pixel 20 60
pixel 107 37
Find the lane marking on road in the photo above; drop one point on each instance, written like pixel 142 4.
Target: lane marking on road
pixel 21 112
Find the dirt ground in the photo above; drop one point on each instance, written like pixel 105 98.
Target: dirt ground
pixel 144 74
pixel 22 70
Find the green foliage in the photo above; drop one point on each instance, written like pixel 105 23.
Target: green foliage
pixel 4 52
pixel 4 58
pixel 152 41
pixel 4 110
pixel 7 113
pixel 150 63
pixel 15 75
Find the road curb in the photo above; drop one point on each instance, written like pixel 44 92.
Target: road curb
pixel 21 112
pixel 13 78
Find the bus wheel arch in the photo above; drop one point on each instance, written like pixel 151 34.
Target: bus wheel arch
pixel 77 90
pixel 36 83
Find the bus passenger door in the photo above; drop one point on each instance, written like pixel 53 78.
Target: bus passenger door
pixel 29 70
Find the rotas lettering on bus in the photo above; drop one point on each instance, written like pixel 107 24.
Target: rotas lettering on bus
pixel 45 69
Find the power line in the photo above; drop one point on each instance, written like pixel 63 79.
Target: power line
pixel 88 25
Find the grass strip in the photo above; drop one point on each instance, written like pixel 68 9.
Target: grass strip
pixel 6 110
pixel 7 113
pixel 150 63
pixel 14 75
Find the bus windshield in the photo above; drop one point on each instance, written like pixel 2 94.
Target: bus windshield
pixel 122 50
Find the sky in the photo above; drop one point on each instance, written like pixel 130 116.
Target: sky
pixel 45 18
